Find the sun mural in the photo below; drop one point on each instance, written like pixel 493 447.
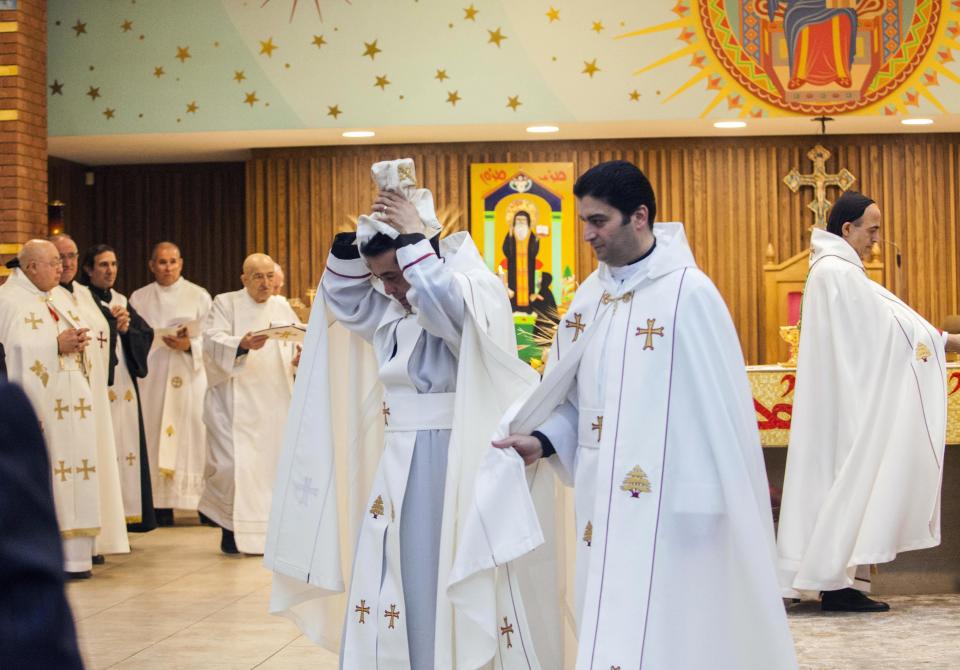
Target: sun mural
pixel 779 57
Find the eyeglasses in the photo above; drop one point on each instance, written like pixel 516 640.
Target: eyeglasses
pixel 72 256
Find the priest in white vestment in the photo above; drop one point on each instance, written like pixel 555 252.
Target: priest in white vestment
pixel 648 411
pixel 865 461
pixel 77 301
pixel 130 339
pixel 405 449
pixel 44 350
pixel 249 383
pixel 172 392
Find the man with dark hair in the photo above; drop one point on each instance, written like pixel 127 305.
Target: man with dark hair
pixel 441 331
pixel 125 359
pixel 869 419
pixel 645 408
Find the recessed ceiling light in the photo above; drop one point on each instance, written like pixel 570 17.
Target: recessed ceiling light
pixel 543 129
pixel 730 124
pixel 917 122
pixel 359 133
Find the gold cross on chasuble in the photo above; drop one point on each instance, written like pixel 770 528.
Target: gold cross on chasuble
pixel 577 324
pixel 82 408
pixel 62 471
pixel 362 609
pixel 506 629
pixel 86 469
pixel 393 614
pixel 101 339
pixel 649 331
pixel 33 321
pixel 130 458
pixel 819 179
pixel 386 413
pixel 60 409
pixel 598 426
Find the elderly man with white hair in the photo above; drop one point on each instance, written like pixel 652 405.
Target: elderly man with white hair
pixel 249 382
pixel 44 350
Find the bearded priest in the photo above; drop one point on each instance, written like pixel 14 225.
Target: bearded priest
pixel 865 461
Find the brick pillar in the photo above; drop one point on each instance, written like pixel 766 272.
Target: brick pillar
pixel 23 122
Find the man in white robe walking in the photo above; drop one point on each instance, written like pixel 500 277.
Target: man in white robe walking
pixel 173 390
pixel 441 329
pixel 249 382
pixel 865 461
pixel 647 407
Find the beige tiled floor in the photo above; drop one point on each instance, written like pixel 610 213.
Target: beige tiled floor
pixel 177 603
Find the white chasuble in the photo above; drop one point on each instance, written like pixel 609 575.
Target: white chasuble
pixel 244 410
pixel 172 394
pixel 61 396
pixel 446 372
pixel 865 461
pixel 79 308
pixel 647 404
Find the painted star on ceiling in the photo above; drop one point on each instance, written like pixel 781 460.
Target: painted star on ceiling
pixel 382 82
pixel 56 88
pixel 318 41
pixel 80 28
pixel 441 75
pixel 371 49
pixel 634 95
pixel 334 111
pixel 597 27
pixel 268 47
pixel 496 37
pixel 513 101
pixel 183 53
pixel 453 97
pixel 109 113
pixel 94 93
pixel 553 14
pixel 470 13
pixel 126 26
pixel 192 107
pixel 239 75
pixel 158 71
pixel 590 68
pixel 251 98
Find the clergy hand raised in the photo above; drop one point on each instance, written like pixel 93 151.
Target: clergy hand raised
pixel 252 342
pixel 528 447
pixel 123 318
pixel 397 212
pixel 72 340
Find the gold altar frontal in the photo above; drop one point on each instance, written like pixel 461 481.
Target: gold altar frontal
pixel 773 386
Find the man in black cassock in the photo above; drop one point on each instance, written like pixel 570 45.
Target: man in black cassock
pixel 135 337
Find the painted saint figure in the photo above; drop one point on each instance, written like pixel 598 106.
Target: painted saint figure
pixel 821 41
pixel 520 248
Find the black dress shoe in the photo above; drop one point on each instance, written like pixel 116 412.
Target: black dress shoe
pixel 83 574
pixel 850 600
pixel 99 559
pixel 164 516
pixel 227 543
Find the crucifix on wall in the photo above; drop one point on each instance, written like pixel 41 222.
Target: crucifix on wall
pixel 819 179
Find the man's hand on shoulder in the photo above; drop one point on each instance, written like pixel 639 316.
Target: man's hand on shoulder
pixel 529 447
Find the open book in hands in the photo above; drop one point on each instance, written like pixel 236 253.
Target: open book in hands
pixel 291 332
pixel 192 329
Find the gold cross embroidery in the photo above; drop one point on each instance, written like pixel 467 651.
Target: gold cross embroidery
pixel 76 319
pixel 386 412
pixel 393 614
pixel 598 426
pixel 86 469
pixel 130 458
pixel 40 371
pixel 63 471
pixel 101 339
pixel 176 382
pixel 60 409
pixel 82 408
pixel 33 321
pixel 362 609
pixel 507 629
pixel 576 324
pixel 649 331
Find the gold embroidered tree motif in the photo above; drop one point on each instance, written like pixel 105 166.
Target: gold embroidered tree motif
pixel 40 371
pixel 128 396
pixel 169 431
pixel 376 509
pixel 111 395
pixel 923 352
pixel 636 482
pixel 588 534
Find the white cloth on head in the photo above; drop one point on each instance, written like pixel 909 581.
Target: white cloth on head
pixel 865 462
pixel 172 395
pixel 400 177
pixel 244 410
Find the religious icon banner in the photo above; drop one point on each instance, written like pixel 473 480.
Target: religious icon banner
pixel 522 221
